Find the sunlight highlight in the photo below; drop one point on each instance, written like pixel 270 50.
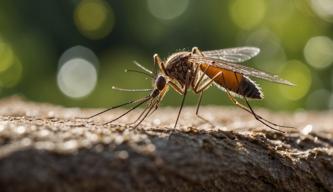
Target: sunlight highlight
pixel 6 55
pixel 77 75
pixel 299 74
pixel 247 14
pixel 94 18
pixel 10 66
pixel 323 8
pixel 77 78
pixel 167 9
pixel 318 52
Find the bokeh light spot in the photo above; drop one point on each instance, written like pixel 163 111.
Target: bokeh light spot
pixel 6 55
pixel 247 14
pixel 10 66
pixel 12 75
pixel 321 95
pixel 299 74
pixel 332 78
pixel 80 52
pixel 323 8
pixel 330 104
pixel 272 56
pixel 94 18
pixel 318 52
pixel 167 9
pixel 77 77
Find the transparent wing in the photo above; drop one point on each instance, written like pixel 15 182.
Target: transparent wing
pixel 247 71
pixel 233 55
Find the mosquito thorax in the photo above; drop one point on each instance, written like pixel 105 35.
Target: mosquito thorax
pixel 160 82
pixel 178 65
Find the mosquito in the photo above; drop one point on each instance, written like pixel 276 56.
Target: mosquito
pixel 198 70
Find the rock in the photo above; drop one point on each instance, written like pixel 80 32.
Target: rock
pixel 45 148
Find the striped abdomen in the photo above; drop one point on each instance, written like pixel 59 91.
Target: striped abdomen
pixel 234 82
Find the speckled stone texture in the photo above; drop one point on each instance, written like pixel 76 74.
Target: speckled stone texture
pixel 45 148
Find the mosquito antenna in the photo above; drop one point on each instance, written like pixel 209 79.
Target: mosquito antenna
pixel 142 67
pixel 130 90
pixel 114 107
pixel 141 72
pixel 136 106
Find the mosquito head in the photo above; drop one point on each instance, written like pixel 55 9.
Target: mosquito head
pixel 160 82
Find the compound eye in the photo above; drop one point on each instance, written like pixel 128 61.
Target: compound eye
pixel 160 82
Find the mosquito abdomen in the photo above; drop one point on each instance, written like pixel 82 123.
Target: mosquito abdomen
pixel 234 82
pixel 249 89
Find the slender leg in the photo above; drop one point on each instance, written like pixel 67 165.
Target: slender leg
pixel 184 96
pixel 195 76
pixel 200 90
pixel 114 107
pixel 246 109
pixel 181 107
pixel 206 84
pixel 136 106
pixel 195 50
pixel 158 61
pixel 257 117
pixel 200 79
pixel 250 110
pixel 197 110
pixel 176 87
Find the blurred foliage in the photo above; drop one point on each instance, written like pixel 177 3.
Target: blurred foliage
pixel 295 37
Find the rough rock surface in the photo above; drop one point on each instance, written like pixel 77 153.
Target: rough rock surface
pixel 45 148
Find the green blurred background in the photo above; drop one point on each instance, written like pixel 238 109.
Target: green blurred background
pixel 71 52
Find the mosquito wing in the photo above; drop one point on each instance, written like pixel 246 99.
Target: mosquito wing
pixel 244 70
pixel 233 55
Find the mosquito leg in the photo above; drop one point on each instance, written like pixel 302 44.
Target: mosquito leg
pixel 250 110
pixel 180 109
pixel 196 50
pixel 200 79
pixel 200 90
pixel 136 106
pixel 195 76
pixel 206 84
pixel 259 117
pixel 114 107
pixel 184 96
pixel 263 120
pixel 158 61
pixel 197 110
pixel 176 87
